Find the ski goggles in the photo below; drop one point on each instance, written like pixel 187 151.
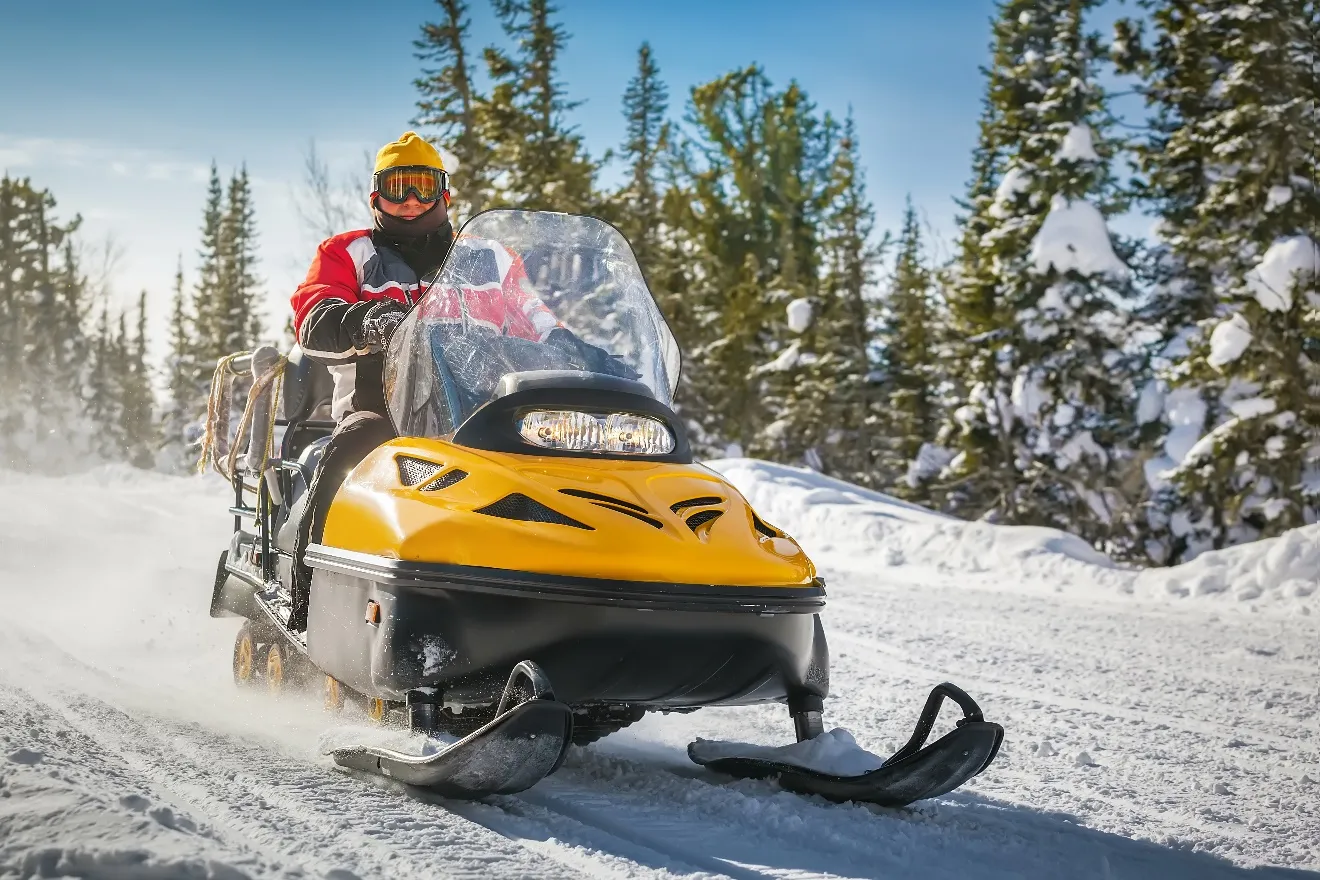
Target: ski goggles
pixel 396 184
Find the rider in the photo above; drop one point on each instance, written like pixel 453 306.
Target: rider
pixel 360 286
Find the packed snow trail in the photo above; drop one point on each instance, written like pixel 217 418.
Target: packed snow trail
pixel 1169 739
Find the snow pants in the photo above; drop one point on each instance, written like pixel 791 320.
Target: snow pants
pixel 353 440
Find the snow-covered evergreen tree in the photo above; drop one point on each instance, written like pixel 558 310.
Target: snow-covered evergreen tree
pixel 850 447
pixel 1231 168
pixel 178 429
pixel 136 400
pixel 209 296
pixel 799 389
pixel 225 317
pixel 225 300
pixel 911 368
pixel 1044 422
pixel 241 326
pixel 43 347
pixel 102 406
pixel 756 167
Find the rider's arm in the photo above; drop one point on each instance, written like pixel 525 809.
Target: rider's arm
pixel 328 308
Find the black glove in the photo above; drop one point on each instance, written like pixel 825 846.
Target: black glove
pixel 590 357
pixel 379 324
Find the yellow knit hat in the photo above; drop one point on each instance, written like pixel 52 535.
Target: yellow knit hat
pixel 409 149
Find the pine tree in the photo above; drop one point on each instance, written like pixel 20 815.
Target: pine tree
pixel 911 368
pixel 225 316
pixel 1044 423
pixel 182 390
pixel 757 170
pixel 103 399
pixel 42 344
pixel 640 215
pixel 451 105
pixel 240 327
pixel 209 296
pixel 137 402
pixel 1231 166
pixel 982 478
pixel 537 161
pixel 120 370
pixel 834 410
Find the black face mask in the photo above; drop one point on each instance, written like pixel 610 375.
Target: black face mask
pixel 423 241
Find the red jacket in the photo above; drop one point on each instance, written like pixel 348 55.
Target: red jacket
pixel 350 274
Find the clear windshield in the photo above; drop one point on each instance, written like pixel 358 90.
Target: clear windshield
pixel 523 291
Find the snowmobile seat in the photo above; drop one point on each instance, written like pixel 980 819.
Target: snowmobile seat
pixel 307 393
pixel 299 478
pixel 301 474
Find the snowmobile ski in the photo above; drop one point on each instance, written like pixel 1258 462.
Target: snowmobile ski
pixel 509 754
pixel 915 772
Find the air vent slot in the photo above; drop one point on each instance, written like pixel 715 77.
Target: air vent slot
pixel 519 507
pixel 703 501
pixel 595 496
pixel 655 523
pixel 415 471
pixel 768 531
pixel 702 517
pixel 447 480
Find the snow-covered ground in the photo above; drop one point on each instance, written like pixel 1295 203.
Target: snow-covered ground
pixel 1161 724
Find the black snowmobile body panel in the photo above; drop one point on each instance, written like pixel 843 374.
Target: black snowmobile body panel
pixel 510 754
pixel 463 636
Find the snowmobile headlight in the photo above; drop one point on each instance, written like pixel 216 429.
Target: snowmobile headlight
pixel 583 432
pixel 562 429
pixel 638 435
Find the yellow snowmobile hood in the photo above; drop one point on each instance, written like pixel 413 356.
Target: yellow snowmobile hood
pixel 424 500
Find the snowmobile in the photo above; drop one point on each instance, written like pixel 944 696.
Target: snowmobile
pixel 536 560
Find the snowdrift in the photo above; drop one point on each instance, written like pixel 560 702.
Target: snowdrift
pixel 864 530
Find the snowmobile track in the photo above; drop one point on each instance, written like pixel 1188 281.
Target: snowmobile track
pixel 653 829
pixel 293 814
pixel 896 657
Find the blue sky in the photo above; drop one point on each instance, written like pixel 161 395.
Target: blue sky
pixel 122 106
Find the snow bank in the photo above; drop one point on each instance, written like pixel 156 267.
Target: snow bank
pixel 1074 237
pixel 1278 571
pixel 857 529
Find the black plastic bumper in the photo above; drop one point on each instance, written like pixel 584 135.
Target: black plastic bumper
pixel 654 645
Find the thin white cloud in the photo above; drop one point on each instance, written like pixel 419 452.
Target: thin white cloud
pixel 12 157
pixel 38 153
pixel 150 200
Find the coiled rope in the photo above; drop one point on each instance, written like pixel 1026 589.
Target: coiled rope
pixel 217 451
